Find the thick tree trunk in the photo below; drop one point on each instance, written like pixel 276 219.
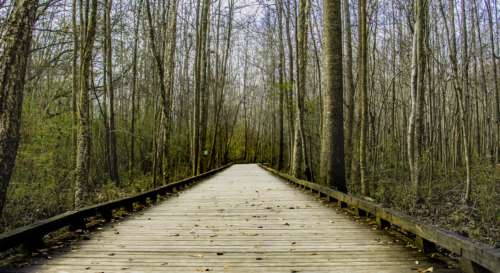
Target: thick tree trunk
pixel 14 54
pixel 332 169
pixel 87 38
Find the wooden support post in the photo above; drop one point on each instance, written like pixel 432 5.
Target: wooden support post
pixel 79 223
pixel 381 223
pixel 33 243
pixel 468 266
pixel 107 215
pixel 160 195
pixel 129 207
pixel 153 199
pixel 424 245
pixel 359 212
pixel 144 201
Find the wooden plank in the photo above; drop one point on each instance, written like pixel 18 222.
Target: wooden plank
pixel 37 230
pixel 479 254
pixel 240 220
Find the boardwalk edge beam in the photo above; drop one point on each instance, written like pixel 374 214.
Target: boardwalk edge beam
pixel 76 219
pixel 475 257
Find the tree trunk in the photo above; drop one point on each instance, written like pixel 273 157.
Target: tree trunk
pixel 301 166
pixel 169 84
pixel 14 54
pixel 495 117
pixel 417 90
pixel 461 128
pixel 200 79
pixel 112 156
pixel 363 86
pixel 290 83
pixel 162 76
pixel 134 89
pixel 332 169
pixel 349 86
pixel 281 72
pixel 87 38
pixel 75 75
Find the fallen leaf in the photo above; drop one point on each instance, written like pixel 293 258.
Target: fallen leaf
pixel 430 269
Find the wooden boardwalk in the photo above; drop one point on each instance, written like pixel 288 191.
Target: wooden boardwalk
pixel 240 220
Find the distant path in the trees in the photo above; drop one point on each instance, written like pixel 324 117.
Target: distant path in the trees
pixel 240 220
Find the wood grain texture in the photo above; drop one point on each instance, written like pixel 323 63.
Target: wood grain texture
pixel 240 220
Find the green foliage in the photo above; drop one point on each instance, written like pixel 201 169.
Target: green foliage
pixel 285 86
pixel 41 183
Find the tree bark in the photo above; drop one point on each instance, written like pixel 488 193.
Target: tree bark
pixel 301 166
pixel 290 84
pixel 417 90
pixel 169 84
pixel 332 169
pixel 462 134
pixel 349 85
pixel 281 85
pixel 494 116
pixel 134 89
pixel 200 79
pixel 75 75
pixel 14 55
pixel 87 38
pixel 112 156
pixel 363 86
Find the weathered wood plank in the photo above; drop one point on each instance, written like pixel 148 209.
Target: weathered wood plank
pixel 240 220
pixel 474 254
pixel 37 230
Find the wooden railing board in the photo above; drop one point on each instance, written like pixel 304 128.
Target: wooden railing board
pixel 36 231
pixel 475 256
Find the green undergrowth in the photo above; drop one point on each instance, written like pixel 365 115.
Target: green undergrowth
pixel 42 183
pixel 27 204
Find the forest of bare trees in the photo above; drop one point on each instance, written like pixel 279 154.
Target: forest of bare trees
pixel 397 101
